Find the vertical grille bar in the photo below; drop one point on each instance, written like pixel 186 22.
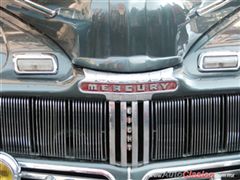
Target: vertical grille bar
pixel 123 119
pixel 112 132
pixel 146 130
pixel 103 121
pixel 134 133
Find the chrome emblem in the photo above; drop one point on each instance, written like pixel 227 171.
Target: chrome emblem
pixel 128 88
pixel 139 86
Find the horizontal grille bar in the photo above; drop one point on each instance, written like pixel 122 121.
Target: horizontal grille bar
pixel 194 126
pixel 54 128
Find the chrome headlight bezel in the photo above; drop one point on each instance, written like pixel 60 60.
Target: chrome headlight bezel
pixel 35 60
pixel 11 163
pixel 228 61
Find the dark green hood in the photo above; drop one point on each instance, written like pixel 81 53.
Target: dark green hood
pixel 108 34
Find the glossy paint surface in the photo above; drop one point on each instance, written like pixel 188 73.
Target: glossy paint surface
pixel 106 28
pixel 98 30
pixel 192 82
pixel 17 39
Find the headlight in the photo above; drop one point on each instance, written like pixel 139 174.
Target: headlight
pixel 5 172
pixel 9 168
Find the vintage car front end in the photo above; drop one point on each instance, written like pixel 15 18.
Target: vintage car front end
pixel 119 90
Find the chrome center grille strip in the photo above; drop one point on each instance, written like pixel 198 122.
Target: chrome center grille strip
pixel 134 133
pixel 130 136
pixel 123 119
pixel 112 132
pixel 146 130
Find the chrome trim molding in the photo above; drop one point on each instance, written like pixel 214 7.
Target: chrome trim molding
pixel 129 173
pixel 38 56
pixel 117 78
pixel 123 119
pixel 47 176
pixel 218 54
pixel 45 165
pixel 218 176
pixel 39 8
pixel 192 167
pixel 215 5
pixel 134 130
pixel 112 133
pixel 11 163
pixel 146 136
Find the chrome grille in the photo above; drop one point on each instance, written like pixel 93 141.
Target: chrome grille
pixel 49 127
pixel 75 129
pixel 15 125
pixel 194 126
pixel 125 133
pixel 168 129
pixel 205 127
pixel 89 127
pixel 232 124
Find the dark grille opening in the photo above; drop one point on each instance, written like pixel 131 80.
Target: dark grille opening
pixel 74 129
pixel 118 132
pixel 140 132
pixel 194 126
